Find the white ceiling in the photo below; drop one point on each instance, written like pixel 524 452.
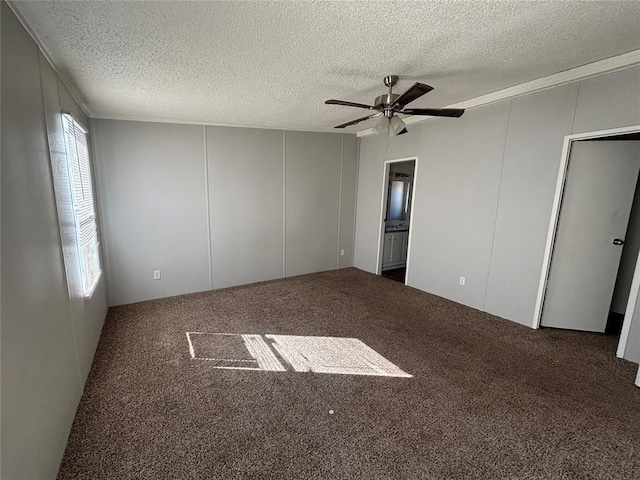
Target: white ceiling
pixel 272 64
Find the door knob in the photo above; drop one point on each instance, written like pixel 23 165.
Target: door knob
pixel 618 241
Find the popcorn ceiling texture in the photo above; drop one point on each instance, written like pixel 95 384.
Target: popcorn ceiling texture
pixel 272 64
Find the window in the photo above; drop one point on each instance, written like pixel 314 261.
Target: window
pixel 83 203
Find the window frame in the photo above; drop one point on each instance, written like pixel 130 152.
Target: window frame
pixel 70 126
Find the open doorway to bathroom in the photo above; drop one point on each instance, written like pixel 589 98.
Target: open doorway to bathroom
pixel 397 219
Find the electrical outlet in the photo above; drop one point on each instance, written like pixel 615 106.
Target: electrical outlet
pixel 342 253
pixel 462 280
pixel 156 274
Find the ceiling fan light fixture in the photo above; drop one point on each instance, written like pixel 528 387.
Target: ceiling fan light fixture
pixel 381 125
pixel 396 125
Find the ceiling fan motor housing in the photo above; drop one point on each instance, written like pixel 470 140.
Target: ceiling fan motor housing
pixel 390 80
pixel 385 101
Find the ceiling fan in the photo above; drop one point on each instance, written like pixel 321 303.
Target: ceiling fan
pixel 391 104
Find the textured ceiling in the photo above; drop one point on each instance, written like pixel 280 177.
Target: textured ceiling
pixel 272 64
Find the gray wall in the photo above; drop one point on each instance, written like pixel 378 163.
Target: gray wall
pixel 348 190
pixel 312 199
pixel 456 195
pixel 608 101
pixel 49 331
pixel 213 207
pixel 401 167
pixel 484 190
pixel 245 198
pixel 153 208
pixel 537 126
pixel 371 185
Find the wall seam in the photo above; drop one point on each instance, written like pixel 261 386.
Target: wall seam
pixel 340 200
pixel 355 205
pixel 284 203
pixel 208 205
pixel 495 221
pixel 575 108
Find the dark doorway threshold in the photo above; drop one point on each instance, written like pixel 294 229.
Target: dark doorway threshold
pixel 396 274
pixel 614 323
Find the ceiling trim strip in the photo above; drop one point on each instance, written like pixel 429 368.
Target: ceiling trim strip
pixel 47 56
pixel 594 69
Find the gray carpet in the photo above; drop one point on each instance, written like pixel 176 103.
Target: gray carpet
pixel 488 399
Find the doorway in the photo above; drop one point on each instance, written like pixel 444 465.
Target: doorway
pixel 589 271
pixel 395 226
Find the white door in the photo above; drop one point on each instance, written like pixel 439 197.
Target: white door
pixel 599 189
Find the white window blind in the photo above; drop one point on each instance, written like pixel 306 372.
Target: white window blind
pixel 83 202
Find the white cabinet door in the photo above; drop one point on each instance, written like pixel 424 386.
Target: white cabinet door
pixel 396 247
pixel 387 249
pixel 405 245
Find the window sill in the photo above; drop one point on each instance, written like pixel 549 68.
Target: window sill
pixel 89 294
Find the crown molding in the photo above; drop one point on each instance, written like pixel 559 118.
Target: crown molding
pixel 47 56
pixel 594 69
pixel 208 124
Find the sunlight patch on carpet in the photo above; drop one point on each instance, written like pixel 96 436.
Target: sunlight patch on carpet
pixel 334 355
pixel 240 352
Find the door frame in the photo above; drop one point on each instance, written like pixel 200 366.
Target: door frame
pixel 553 226
pixel 383 208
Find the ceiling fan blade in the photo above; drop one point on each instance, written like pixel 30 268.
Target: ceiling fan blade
pixel 434 112
pixel 416 91
pixel 403 131
pixel 353 122
pixel 348 104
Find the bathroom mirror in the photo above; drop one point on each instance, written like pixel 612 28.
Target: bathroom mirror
pixel 398 206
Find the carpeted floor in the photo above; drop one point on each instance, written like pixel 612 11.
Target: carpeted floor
pixel 488 399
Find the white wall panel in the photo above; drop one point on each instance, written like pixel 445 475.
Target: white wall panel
pixel 608 101
pixel 456 197
pixel 348 199
pixel 154 210
pixel 537 126
pixel 312 201
pixel 41 378
pixel 162 203
pixel 245 204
